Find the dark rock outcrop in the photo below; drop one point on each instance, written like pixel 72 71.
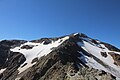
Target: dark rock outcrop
pixel 27 47
pixel 104 54
pixel 110 47
pixel 5 46
pixel 116 57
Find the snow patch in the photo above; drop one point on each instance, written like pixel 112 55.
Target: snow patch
pixel 17 79
pixel 96 51
pixel 37 51
pixel 75 34
pixel 2 70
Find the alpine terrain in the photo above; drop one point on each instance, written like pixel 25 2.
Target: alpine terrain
pixel 71 57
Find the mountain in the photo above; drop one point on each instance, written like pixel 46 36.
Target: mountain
pixel 71 57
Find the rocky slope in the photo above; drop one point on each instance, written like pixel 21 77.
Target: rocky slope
pixel 71 57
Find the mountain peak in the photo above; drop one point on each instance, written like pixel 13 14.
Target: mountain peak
pixel 65 57
pixel 79 34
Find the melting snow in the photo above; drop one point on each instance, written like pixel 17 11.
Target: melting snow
pixel 36 52
pixel 96 51
pixel 2 70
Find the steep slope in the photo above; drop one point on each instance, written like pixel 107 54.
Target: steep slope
pixel 71 57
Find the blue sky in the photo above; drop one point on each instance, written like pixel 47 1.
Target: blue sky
pixel 33 19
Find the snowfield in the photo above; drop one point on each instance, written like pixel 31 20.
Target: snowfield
pixel 96 51
pixel 37 51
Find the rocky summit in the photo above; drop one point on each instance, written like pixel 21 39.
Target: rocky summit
pixel 71 57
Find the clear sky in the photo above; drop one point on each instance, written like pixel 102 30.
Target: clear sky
pixel 33 19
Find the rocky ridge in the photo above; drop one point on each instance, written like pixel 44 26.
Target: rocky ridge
pixel 71 59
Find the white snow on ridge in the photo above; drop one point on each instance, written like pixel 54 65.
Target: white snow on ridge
pixel 36 52
pixel 96 51
pixel 2 70
pixel 91 62
pixel 75 34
